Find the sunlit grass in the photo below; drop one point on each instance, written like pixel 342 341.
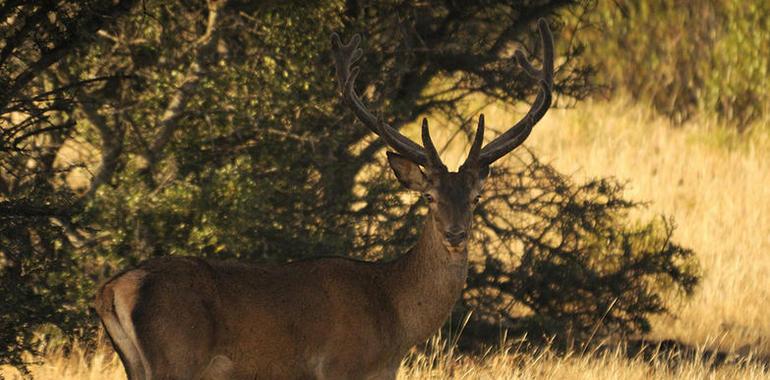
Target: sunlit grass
pixel 547 364
pixel 719 196
pixel 444 362
pixel 714 183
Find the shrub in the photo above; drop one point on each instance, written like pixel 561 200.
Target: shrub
pixel 687 57
pixel 564 260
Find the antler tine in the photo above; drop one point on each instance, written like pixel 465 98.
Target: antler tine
pixel 473 155
pixel 345 56
pixel 430 149
pixel 547 73
pixel 519 132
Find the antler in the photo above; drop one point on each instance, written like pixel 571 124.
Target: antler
pixel 473 156
pixel 519 132
pixel 345 56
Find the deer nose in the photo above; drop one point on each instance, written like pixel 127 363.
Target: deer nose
pixel 455 237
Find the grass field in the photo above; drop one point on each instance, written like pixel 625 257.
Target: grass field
pixel 716 186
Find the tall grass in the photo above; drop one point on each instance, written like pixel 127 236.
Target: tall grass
pixel 717 187
pixel 717 192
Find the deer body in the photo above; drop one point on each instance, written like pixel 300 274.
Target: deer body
pixel 325 318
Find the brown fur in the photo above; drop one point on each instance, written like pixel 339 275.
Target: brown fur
pixel 327 318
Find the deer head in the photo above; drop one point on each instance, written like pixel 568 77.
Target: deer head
pixel 452 196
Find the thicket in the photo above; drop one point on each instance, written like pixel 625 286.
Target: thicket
pixel 687 57
pixel 215 129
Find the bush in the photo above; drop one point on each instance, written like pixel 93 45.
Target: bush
pixel 562 260
pixel 687 57
pixel 41 283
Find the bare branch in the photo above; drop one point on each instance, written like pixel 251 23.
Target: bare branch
pixel 75 34
pixel 179 98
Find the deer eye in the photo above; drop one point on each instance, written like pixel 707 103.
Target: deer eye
pixel 477 199
pixel 428 197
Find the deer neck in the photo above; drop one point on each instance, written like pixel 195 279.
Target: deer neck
pixel 427 281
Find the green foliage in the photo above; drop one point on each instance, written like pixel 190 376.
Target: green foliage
pixel 687 57
pixel 40 281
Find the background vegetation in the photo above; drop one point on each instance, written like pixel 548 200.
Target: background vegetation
pixel 215 129
pixel 688 58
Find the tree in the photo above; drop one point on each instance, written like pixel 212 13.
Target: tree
pixel 38 276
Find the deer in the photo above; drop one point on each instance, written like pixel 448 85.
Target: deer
pixel 182 317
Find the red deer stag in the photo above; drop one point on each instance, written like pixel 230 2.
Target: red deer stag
pixel 324 318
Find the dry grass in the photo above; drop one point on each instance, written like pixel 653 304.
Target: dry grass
pixel 77 364
pixel 718 195
pixel 513 364
pixel 547 365
pixel 717 188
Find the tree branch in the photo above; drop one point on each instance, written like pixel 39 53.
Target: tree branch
pixel 178 100
pixel 78 32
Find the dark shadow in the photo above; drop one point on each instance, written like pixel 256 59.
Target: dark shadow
pixel 674 353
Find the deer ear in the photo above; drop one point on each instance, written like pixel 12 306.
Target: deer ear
pixel 408 173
